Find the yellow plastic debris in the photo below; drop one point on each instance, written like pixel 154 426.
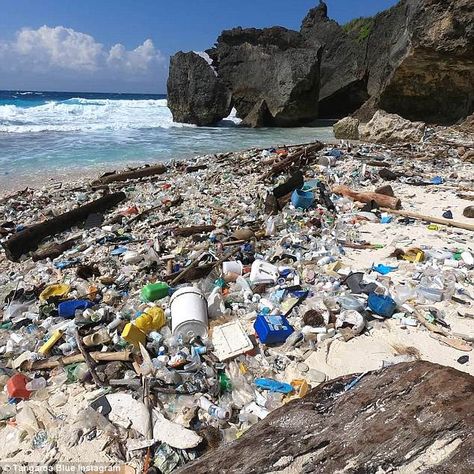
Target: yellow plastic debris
pixel 152 319
pixel 48 345
pixel 58 290
pixel 414 255
pixel 133 335
pixel 300 387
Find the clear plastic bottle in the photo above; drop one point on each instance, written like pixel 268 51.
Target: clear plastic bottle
pixel 36 384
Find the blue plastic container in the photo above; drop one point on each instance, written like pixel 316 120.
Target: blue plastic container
pixel 67 309
pixel 302 199
pixel 272 329
pixel 381 305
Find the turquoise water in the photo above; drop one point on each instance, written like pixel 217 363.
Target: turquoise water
pixel 72 132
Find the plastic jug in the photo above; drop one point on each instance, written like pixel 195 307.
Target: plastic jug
pixel 68 309
pixel 152 319
pixel 263 272
pixel 155 291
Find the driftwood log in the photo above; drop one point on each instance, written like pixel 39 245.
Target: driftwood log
pixel 53 362
pixel 292 159
pixel 29 239
pixel 380 199
pixel 53 250
pixel 195 229
pixel 132 174
pixel 435 220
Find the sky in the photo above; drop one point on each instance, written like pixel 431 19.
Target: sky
pixel 125 45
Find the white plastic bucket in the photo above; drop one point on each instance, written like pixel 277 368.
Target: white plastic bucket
pixel 232 267
pixel 263 272
pixel 188 313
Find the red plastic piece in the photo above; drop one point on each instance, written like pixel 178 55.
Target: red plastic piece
pixel 16 387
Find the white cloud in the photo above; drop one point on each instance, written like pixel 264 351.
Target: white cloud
pixel 60 52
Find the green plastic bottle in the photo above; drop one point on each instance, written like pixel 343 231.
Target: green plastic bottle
pixel 155 291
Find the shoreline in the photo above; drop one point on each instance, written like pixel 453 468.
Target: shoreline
pixel 79 177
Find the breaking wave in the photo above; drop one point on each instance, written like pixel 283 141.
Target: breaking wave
pixel 78 114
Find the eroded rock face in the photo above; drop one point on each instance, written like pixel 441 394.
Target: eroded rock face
pixel 347 129
pixel 391 128
pixel 421 60
pixel 195 94
pixel 415 59
pixel 413 417
pixel 343 87
pixel 273 65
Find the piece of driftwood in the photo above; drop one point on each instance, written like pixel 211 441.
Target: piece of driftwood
pixel 53 250
pixel 193 168
pixel 381 199
pixel 292 159
pixel 53 362
pixel 90 362
pixel 434 220
pixel 184 272
pixel 29 239
pixel 192 230
pixel 132 174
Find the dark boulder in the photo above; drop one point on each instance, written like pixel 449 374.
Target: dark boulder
pixel 273 65
pixel 412 417
pixel 195 94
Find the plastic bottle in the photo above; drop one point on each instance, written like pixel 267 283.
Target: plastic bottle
pixel 36 384
pixel 214 410
pixel 155 291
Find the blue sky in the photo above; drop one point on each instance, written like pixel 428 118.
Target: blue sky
pixel 124 45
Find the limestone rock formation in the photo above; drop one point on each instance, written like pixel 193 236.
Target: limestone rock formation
pixel 343 87
pixel 195 94
pixel 391 128
pixel 272 65
pixel 411 417
pixel 347 129
pixel 415 59
pixel 421 60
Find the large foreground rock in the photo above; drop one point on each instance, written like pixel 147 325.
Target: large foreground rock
pixel 410 418
pixel 391 128
pixel 271 72
pixel 195 94
pixel 347 129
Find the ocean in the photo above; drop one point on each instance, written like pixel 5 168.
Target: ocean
pixel 55 133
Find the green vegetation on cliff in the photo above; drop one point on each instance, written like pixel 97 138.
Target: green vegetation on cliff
pixel 360 28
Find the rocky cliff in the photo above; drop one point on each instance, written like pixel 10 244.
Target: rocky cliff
pixel 343 69
pixel 274 66
pixel 414 417
pixel 415 59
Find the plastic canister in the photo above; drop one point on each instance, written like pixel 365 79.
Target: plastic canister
pixel 381 305
pixel 302 199
pixel 188 312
